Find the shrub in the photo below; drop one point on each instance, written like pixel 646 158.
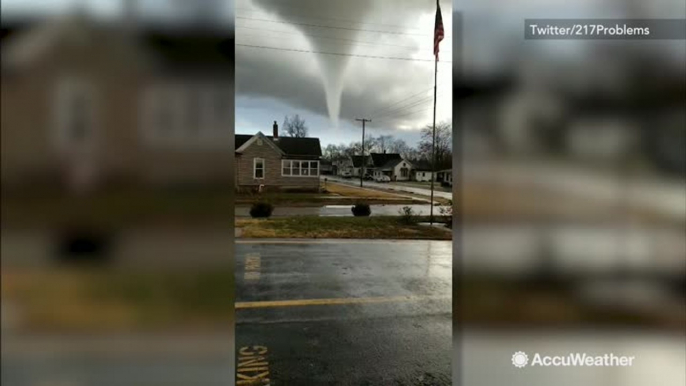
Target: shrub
pixel 84 246
pixel 447 211
pixel 261 209
pixel 407 216
pixel 361 209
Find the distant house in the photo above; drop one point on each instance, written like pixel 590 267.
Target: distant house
pixel 382 164
pixel 326 167
pixel 277 163
pixel 356 163
pixel 88 103
pixel 343 167
pixel 445 176
pixel 392 165
pixel 422 172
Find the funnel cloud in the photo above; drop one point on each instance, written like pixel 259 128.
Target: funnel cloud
pixel 280 68
pixel 332 68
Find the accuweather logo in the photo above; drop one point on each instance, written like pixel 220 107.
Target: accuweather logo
pixel 520 359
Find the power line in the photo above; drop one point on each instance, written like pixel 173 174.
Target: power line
pixel 321 37
pixel 400 101
pixel 331 27
pixel 383 111
pixel 334 19
pixel 400 108
pixel 340 54
pixel 420 102
pixel 410 50
pixel 387 119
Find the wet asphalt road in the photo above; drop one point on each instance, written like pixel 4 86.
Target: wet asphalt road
pixel 344 313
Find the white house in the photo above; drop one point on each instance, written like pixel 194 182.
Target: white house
pixel 422 175
pixel 445 176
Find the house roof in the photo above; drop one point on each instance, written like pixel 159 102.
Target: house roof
pixel 422 166
pixel 291 146
pixel 357 160
pixel 392 163
pixel 181 49
pixel 379 160
pixel 190 50
pixel 384 159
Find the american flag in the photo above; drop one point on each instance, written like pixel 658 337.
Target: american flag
pixel 438 29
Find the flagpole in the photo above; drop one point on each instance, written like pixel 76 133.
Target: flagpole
pixel 433 145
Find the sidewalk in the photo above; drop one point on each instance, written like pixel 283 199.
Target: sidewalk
pixel 339 210
pixel 393 187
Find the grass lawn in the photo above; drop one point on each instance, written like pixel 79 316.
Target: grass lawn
pixel 335 194
pixel 380 227
pixel 424 185
pixel 98 301
pixel 507 203
pixel 113 208
pixel 500 302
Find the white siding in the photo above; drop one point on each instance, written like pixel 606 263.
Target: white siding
pixel 397 171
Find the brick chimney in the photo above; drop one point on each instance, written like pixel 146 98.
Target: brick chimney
pixel 276 130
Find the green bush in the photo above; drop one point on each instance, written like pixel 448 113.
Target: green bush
pixel 361 210
pixel 261 209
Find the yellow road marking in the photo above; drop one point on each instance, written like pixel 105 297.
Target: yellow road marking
pixel 253 367
pixel 252 266
pixel 335 301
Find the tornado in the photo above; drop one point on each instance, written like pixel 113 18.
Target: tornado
pixel 332 68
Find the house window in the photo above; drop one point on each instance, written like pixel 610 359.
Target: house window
pixel 187 113
pixel 404 172
pixel 292 168
pixel 75 113
pixel 258 168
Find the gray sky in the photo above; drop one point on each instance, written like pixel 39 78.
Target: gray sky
pixel 274 83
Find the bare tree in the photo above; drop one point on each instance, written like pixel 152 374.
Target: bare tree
pixel 295 126
pixel 383 143
pixel 333 153
pixel 351 149
pixel 371 144
pixel 444 144
pixel 398 146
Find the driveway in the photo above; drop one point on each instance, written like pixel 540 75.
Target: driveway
pixel 344 313
pixel 392 186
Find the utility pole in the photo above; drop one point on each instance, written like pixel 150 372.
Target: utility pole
pixel 363 120
pixel 433 148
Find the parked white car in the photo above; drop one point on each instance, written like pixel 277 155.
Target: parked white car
pixel 382 179
pixel 346 174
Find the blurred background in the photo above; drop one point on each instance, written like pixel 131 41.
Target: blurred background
pixel 117 216
pixel 572 196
